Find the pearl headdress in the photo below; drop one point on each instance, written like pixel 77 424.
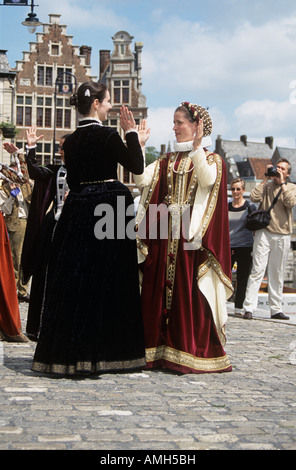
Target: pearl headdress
pixel 197 113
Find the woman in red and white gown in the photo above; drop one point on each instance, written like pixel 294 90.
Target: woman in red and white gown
pixel 184 251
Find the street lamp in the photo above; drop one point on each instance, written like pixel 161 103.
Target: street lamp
pixel 32 21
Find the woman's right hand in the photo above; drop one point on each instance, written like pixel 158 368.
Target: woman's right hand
pixel 32 138
pixel 127 120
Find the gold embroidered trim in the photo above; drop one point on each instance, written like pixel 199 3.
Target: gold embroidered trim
pixel 145 199
pixel 212 202
pixel 187 360
pixel 87 367
pixel 212 263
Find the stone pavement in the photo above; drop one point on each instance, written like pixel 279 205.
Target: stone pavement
pixel 251 408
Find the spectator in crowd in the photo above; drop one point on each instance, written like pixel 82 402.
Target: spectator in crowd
pixel 15 199
pixel 272 244
pixel 241 240
pixel 10 321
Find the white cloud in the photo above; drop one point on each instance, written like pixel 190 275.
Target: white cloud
pixel 160 120
pixel 75 14
pixel 246 62
pixel 242 74
pixel 266 117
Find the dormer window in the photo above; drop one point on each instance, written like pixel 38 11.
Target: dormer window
pixel 121 93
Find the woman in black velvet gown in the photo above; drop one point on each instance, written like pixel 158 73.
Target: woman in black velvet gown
pixel 91 321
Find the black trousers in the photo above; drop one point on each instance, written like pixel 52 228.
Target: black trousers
pixel 243 257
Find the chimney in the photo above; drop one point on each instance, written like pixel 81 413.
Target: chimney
pixel 244 139
pixel 269 141
pixel 104 61
pixel 86 52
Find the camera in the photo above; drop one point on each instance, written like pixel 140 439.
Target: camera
pixel 272 171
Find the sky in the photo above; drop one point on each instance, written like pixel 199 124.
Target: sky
pixel 235 57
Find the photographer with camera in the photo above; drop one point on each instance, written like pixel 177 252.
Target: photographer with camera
pixel 272 244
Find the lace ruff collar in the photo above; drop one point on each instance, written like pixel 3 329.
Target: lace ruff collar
pixel 188 146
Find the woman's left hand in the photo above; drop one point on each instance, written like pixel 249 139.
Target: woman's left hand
pixel 198 135
pixel 127 120
pixel 32 138
pixel 143 132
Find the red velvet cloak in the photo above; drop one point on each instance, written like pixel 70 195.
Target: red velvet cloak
pixel 10 321
pixel 180 331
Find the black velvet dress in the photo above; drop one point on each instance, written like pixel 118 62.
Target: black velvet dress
pixel 91 320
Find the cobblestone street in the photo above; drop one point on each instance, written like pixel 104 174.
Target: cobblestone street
pixel 251 408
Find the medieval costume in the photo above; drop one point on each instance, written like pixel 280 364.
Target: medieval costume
pixel 15 205
pixel 184 256
pixel 50 188
pixel 91 320
pixel 10 321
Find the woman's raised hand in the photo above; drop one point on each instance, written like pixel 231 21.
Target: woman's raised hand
pixel 198 135
pixel 32 138
pixel 143 132
pixel 127 120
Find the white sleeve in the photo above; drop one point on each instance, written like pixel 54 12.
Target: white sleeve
pixel 146 177
pixel 206 174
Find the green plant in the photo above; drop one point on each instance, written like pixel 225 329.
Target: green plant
pixel 8 129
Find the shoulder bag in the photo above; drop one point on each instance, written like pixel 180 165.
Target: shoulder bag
pixel 259 219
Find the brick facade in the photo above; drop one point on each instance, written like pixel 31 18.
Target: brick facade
pixel 52 56
pixel 121 72
pixel 38 100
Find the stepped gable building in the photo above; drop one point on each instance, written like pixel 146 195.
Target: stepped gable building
pixel 46 78
pixel 121 72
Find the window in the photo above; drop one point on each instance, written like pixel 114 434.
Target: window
pixel 121 92
pixel 113 123
pixel 24 110
pixel 43 153
pixel 63 75
pixel 44 112
pixel 63 113
pixel 55 49
pixel 44 75
pixel 126 176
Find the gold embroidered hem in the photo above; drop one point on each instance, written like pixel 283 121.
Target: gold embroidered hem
pixel 181 358
pixel 88 367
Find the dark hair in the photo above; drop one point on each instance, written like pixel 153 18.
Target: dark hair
pixel 86 94
pixel 186 112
